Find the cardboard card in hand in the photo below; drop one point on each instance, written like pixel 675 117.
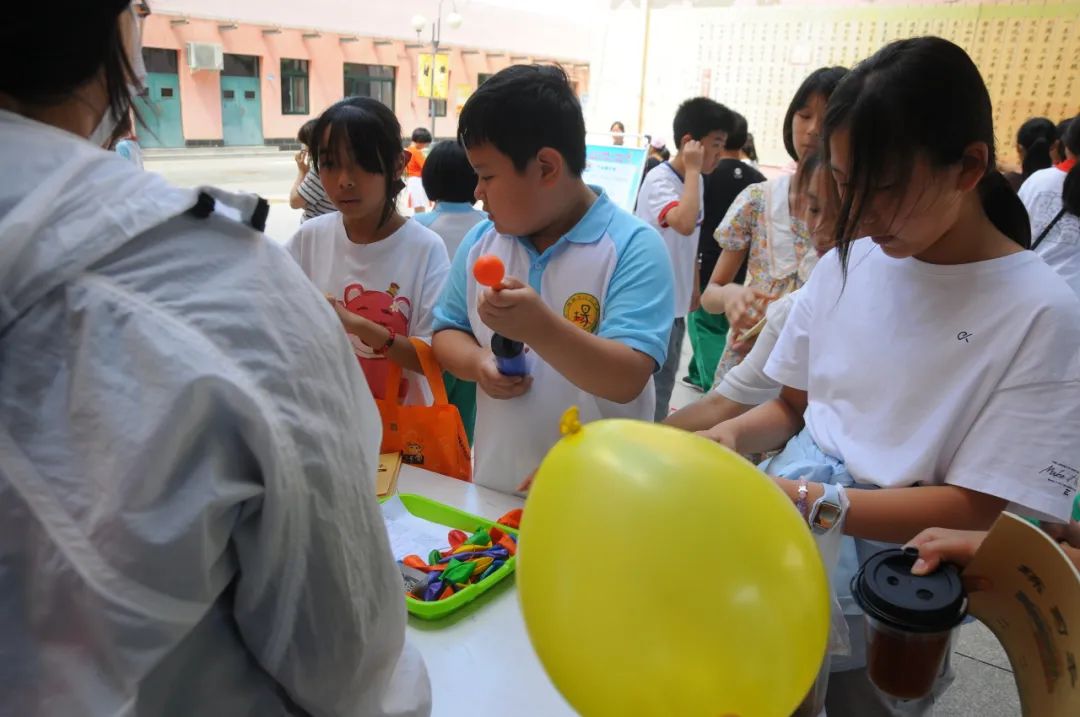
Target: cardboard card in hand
pixel 1033 606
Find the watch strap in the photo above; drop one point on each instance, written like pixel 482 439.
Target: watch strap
pixel 828 511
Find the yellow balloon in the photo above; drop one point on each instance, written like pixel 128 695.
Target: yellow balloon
pixel 661 574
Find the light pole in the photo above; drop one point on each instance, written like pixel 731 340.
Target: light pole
pixel 419 22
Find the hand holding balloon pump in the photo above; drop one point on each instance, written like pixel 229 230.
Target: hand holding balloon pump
pixel 509 355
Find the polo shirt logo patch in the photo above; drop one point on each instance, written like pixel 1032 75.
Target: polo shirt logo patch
pixel 584 310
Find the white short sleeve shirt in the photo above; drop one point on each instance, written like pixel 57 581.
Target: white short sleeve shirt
pixel 966 375
pixel 1041 195
pixel 659 194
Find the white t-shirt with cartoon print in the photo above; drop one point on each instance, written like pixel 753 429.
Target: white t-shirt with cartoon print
pixel 394 282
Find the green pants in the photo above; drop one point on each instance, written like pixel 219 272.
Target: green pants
pixel 708 335
pixel 463 395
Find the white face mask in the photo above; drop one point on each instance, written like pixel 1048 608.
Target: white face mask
pixel 108 123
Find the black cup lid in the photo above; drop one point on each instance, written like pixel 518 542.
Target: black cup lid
pixel 504 347
pixel 887 591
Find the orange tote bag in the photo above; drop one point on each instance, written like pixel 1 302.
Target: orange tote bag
pixel 430 437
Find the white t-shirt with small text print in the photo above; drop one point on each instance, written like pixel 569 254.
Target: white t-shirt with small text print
pixel 966 375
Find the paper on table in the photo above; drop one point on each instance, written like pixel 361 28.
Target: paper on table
pixel 410 535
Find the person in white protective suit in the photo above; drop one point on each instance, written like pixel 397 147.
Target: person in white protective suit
pixel 188 522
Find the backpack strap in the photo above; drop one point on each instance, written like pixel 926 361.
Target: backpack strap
pixel 1046 231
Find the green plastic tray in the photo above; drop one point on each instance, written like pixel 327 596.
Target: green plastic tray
pixel 442 514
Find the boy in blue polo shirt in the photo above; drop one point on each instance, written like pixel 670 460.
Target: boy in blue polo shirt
pixel 588 287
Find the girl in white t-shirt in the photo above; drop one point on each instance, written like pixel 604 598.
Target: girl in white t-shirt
pixel 933 368
pixel 382 272
pixel 1052 199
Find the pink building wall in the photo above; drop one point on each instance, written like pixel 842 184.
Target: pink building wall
pixel 200 91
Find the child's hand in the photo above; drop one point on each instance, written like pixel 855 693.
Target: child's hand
pixel 346 317
pixel 354 324
pixel 497 385
pixel 745 307
pixel 515 311
pixel 742 346
pixel 938 545
pixel 1064 532
pixel 693 154
pixel 302 161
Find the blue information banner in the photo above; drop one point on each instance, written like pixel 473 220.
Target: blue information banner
pixel 617 169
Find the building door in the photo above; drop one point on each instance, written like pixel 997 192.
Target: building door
pixel 241 107
pixel 158 108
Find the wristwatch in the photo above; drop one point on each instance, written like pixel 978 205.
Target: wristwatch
pixel 828 511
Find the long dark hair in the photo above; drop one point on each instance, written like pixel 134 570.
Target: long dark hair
pixel 371 134
pixel 809 164
pixel 1070 194
pixel 1036 136
pixel 83 39
pixel 822 81
pixel 883 102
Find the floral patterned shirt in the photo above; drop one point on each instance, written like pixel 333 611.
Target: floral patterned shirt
pixel 777 270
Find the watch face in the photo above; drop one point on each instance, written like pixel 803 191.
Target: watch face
pixel 826 516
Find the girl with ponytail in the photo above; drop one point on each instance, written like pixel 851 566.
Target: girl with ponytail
pixel 930 366
pixel 1052 198
pixel 1033 142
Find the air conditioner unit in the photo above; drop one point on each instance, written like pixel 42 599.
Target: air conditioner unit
pixel 205 56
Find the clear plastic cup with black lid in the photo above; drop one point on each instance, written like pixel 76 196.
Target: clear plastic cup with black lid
pixel 909 620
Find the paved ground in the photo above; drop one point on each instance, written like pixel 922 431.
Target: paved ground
pixel 269 176
pixel 984 685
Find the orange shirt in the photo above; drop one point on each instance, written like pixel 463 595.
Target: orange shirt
pixel 416 161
